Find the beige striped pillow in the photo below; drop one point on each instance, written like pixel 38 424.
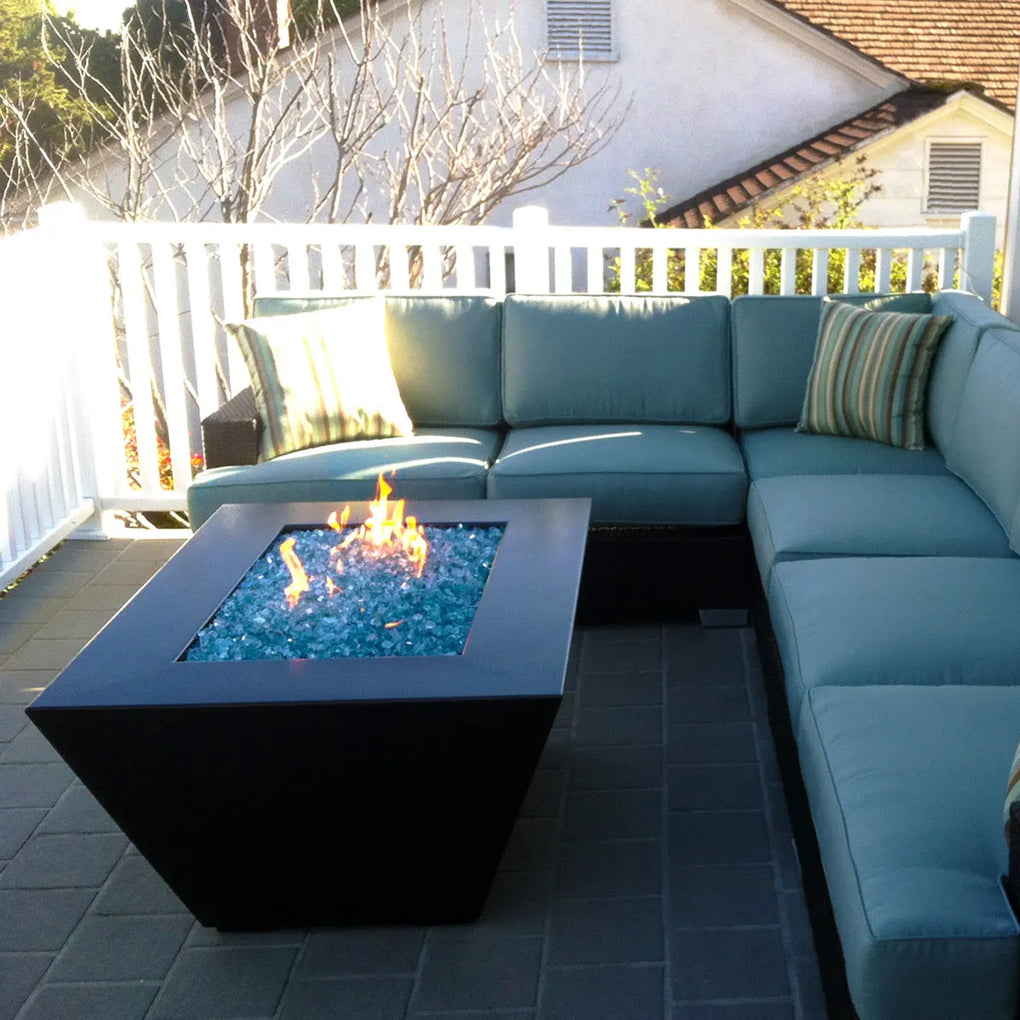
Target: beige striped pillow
pixel 322 377
pixel 1012 790
pixel 870 372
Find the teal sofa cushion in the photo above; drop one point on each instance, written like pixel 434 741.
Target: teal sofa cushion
pixel 895 620
pixel 432 464
pixel 782 451
pixel 971 317
pixel 445 353
pixel 774 345
pixel 634 474
pixel 817 516
pixel 906 787
pixel 983 450
pixel 576 359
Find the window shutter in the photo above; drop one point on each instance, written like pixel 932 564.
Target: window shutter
pixel 954 176
pixel 579 28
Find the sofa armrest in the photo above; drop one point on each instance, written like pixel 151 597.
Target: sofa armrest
pixel 231 434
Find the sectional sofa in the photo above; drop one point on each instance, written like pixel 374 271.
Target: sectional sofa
pixel 890 575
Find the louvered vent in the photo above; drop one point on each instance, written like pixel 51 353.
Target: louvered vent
pixel 579 28
pixel 954 176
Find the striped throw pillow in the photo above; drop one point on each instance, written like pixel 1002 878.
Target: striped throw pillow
pixel 870 372
pixel 322 377
pixel 1012 790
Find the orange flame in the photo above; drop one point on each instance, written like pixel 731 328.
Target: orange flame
pixel 298 578
pixel 385 532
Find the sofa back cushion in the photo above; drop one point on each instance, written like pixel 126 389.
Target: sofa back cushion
pixel 985 446
pixel 971 317
pixel 444 351
pixel 573 359
pixel 774 346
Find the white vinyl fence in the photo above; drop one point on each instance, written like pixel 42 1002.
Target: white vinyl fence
pixel 113 349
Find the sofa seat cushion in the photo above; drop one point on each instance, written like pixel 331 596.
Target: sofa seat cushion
pixel 782 451
pixel 634 474
pixel 911 841
pixel 813 516
pixel 431 464
pixel 896 620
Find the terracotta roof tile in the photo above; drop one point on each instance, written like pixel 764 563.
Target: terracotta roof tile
pixel 941 40
pixel 739 191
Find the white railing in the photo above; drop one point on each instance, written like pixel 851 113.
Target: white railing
pixel 114 348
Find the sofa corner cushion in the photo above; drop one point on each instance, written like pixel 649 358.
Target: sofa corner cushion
pixel 577 359
pixel 971 318
pixel 445 352
pixel 905 787
pixel 817 516
pixel 774 339
pixel 928 620
pixel 431 464
pixel 982 451
pixel 782 451
pixel 634 474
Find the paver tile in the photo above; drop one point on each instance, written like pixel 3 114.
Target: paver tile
pixel 23 686
pixel 727 896
pixel 19 974
pixel 350 952
pixel 229 982
pixel 710 743
pixel 714 787
pixel 615 768
pixel 479 973
pixel 350 999
pixel 16 825
pixel 609 868
pixel 40 920
pixel 45 653
pixel 14 635
pixel 623 724
pixel 35 785
pixel 134 887
pixel 718 837
pixel 612 814
pixel 19 607
pixel 89 1002
pixel 624 656
pixel 12 721
pixel 64 860
pixel 602 993
pixel 29 747
pixel 742 963
pixel 95 597
pixel 49 582
pixel 623 930
pixel 78 811
pixel 120 949
pixel 76 623
pixel 602 689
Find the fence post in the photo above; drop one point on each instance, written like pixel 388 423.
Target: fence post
pixel 531 250
pixel 978 261
pixel 80 289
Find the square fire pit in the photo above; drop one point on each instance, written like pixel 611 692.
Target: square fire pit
pixel 306 791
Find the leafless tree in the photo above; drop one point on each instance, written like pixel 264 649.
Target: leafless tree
pixel 380 115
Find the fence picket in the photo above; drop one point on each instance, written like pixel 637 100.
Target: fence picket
pixel 852 271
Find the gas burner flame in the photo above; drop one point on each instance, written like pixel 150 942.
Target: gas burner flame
pixel 386 534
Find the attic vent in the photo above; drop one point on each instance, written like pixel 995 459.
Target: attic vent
pixel 954 176
pixel 580 28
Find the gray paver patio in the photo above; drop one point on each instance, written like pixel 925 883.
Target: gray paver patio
pixel 651 873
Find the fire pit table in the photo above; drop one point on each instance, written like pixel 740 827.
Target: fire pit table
pixel 328 790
